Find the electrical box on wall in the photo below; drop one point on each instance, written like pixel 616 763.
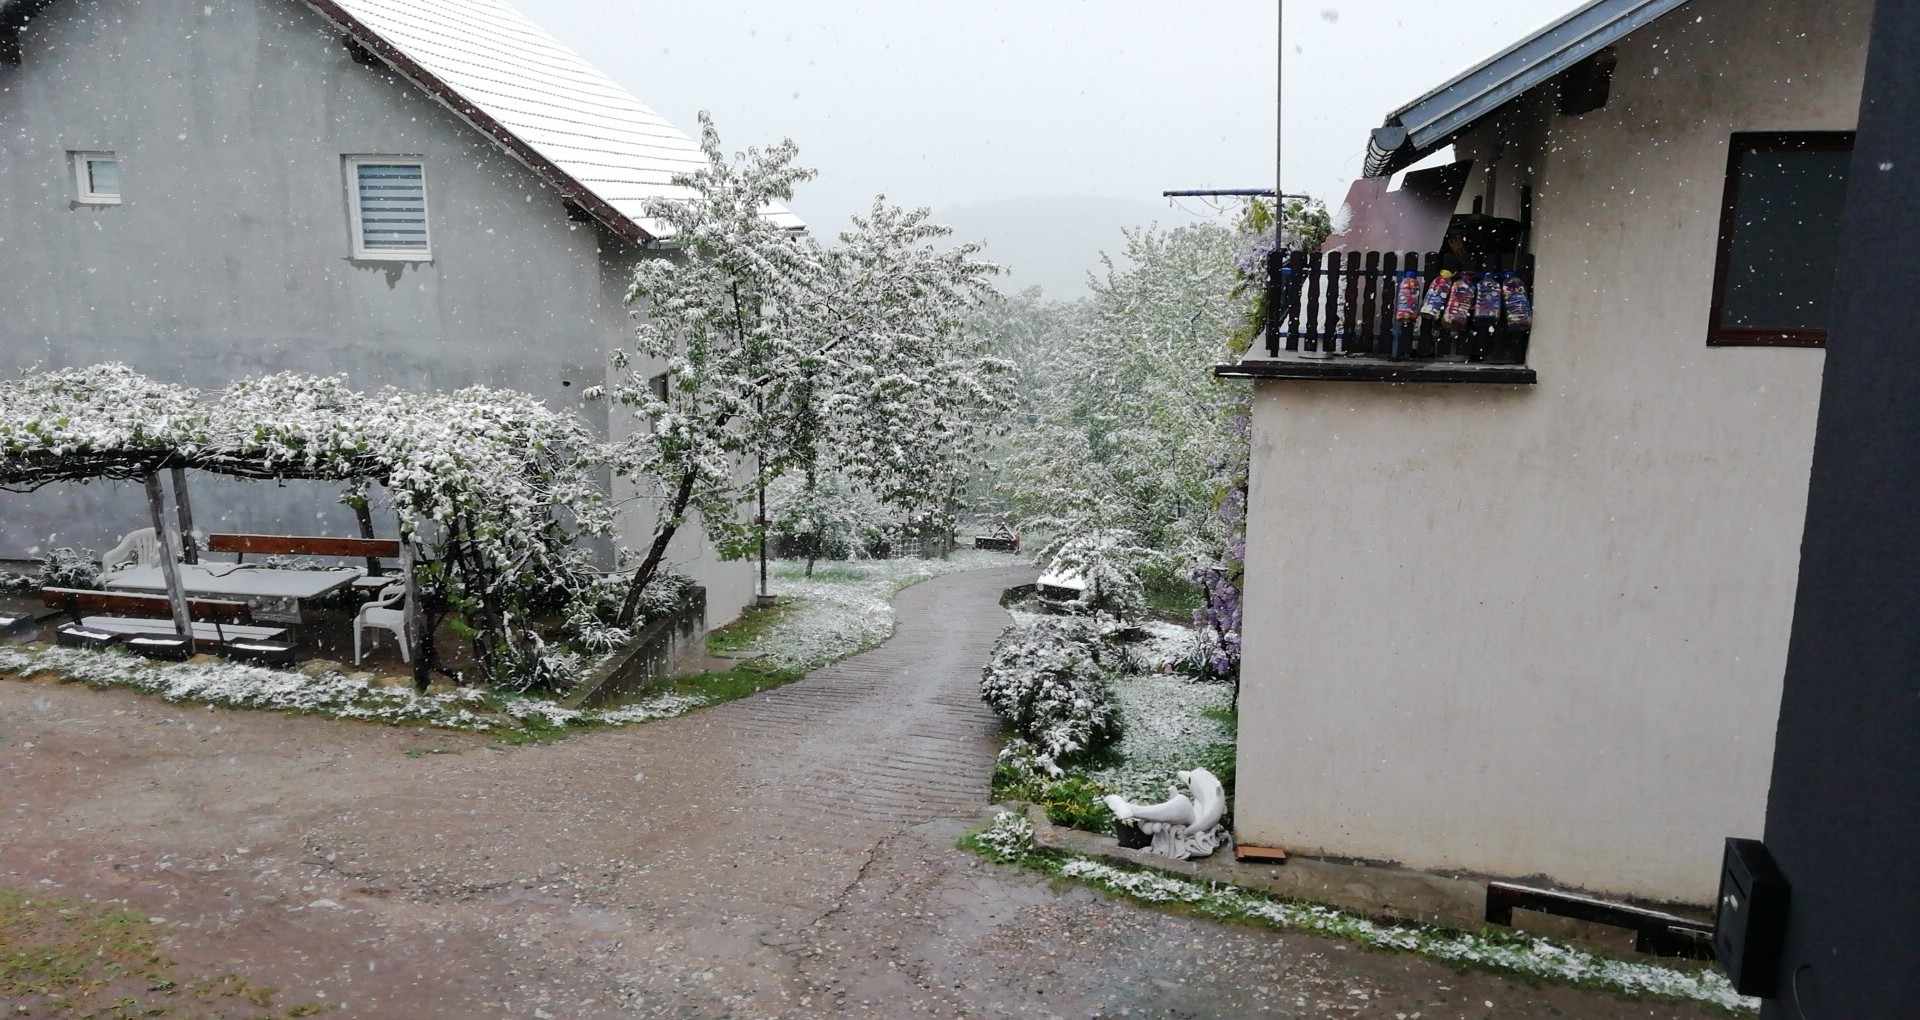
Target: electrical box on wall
pixel 1750 922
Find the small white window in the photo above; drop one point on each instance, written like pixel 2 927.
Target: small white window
pixel 96 178
pixel 387 203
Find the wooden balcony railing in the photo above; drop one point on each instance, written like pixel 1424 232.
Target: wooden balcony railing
pixel 1343 303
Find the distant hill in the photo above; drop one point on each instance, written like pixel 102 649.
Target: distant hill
pixel 1052 242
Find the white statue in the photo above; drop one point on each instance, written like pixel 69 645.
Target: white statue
pixel 1185 826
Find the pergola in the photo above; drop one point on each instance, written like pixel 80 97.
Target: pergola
pixel 510 482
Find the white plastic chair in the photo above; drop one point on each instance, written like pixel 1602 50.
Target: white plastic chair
pixel 141 547
pixel 382 614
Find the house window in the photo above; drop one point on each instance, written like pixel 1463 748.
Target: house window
pixel 1779 234
pixel 96 178
pixel 387 204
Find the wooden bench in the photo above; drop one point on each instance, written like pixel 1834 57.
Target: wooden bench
pixel 144 623
pixel 373 550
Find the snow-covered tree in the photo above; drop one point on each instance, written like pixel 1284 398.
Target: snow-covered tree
pixel 1126 423
pixel 716 316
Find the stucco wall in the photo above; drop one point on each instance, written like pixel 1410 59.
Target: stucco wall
pixel 230 255
pixel 1541 630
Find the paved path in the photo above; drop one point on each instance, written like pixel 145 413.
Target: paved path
pixel 789 855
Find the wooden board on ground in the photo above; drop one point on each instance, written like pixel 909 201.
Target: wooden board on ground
pixel 203 633
pixel 1259 854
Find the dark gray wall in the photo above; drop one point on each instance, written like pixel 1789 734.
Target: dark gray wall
pixel 1843 813
pixel 230 253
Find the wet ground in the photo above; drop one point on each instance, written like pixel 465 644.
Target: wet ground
pixel 788 855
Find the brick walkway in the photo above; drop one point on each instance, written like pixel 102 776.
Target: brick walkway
pixel 788 855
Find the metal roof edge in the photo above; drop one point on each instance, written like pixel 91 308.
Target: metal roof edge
pixel 1423 125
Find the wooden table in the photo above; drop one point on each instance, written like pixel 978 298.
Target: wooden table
pixel 273 594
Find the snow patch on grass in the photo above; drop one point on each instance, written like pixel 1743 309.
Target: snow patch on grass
pixel 344 696
pixel 1164 728
pixel 1168 648
pixel 846 606
pixel 1518 954
pixel 1010 840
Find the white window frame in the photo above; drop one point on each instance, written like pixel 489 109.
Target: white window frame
pixel 350 166
pixel 83 176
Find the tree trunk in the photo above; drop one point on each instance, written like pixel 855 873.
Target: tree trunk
pixel 813 540
pixel 760 469
pixel 365 515
pixel 662 535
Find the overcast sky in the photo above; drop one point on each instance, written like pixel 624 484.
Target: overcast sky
pixel 955 103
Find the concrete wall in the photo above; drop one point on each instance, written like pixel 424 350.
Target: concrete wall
pixel 1542 630
pixel 230 255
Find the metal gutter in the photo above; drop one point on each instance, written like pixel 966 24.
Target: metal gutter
pixel 1435 118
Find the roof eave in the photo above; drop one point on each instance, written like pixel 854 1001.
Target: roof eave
pixel 1435 119
pixel 545 169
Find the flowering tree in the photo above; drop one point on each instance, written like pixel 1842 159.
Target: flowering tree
pixel 918 395
pixel 716 317
pixel 1125 424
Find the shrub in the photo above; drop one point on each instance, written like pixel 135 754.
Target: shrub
pixel 1009 838
pixel 1047 679
pixel 66 567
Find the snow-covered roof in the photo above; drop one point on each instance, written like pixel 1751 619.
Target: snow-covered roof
pixel 588 137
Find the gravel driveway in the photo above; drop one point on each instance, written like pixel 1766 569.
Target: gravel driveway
pixel 789 855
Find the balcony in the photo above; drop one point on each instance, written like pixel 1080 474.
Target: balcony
pixel 1333 316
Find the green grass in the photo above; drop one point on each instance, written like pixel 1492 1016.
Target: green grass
pixel 747 678
pixel 72 958
pixel 1500 951
pixel 741 634
pixel 1174 596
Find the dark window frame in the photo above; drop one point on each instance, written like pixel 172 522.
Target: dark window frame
pixel 1738 143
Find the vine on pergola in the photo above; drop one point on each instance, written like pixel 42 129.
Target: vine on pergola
pixel 505 487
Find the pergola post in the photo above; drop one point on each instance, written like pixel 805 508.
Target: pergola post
pixel 183 509
pixel 169 549
pixel 410 610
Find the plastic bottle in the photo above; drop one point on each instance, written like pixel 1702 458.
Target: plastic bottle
pixel 1519 303
pixel 1435 303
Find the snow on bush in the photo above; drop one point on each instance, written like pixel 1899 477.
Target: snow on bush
pixel 1046 678
pixel 1009 838
pixel 236 685
pixel 66 567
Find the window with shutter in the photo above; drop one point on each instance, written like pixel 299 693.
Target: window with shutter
pixel 387 199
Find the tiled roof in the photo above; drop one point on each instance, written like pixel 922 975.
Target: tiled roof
pixel 580 130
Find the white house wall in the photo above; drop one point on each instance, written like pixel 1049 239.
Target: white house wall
pixel 1541 630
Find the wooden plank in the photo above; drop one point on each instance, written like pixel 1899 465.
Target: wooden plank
pixel 183 509
pixel 1333 324
pixel 1311 342
pixel 410 615
pixel 1350 304
pixel 304 545
pixel 1276 303
pixel 203 633
pixel 73 600
pixel 1259 854
pixel 1392 339
pixel 169 552
pixel 1297 262
pixel 1369 328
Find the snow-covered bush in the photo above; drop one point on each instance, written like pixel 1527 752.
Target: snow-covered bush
pixel 1046 678
pixel 1108 562
pixel 66 567
pixel 1009 838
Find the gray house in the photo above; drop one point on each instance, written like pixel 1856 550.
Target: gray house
pixel 427 195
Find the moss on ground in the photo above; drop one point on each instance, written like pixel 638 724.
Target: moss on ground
pixel 73 958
